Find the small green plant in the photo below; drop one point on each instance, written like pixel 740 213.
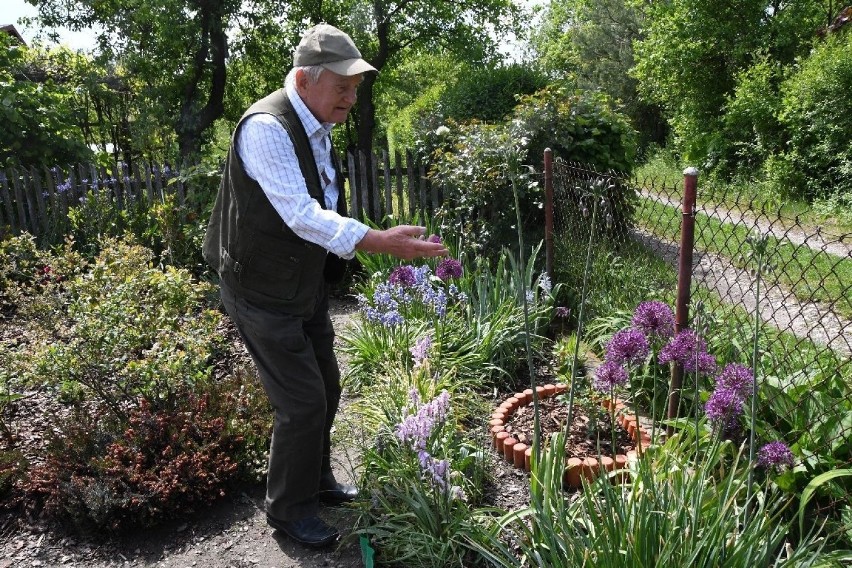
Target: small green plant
pixel 420 478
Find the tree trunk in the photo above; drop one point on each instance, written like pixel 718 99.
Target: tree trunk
pixel 366 114
pixel 194 121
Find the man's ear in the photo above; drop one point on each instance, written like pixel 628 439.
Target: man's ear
pixel 301 80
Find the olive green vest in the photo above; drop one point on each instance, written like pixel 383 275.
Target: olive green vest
pixel 254 252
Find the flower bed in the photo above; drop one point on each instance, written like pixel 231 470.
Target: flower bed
pixel 587 462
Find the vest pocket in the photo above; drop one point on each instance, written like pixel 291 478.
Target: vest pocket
pixel 272 276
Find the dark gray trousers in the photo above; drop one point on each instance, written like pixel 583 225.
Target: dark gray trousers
pixel 297 366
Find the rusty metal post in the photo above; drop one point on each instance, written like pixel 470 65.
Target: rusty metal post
pixel 548 212
pixel 684 280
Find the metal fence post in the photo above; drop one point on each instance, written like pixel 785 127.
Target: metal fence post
pixel 684 280
pixel 548 212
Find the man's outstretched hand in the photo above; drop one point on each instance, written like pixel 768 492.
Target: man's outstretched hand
pixel 402 241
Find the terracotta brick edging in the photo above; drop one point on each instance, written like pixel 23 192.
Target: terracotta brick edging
pixel 518 453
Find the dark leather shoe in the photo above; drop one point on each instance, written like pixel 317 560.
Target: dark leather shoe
pixel 337 494
pixel 311 531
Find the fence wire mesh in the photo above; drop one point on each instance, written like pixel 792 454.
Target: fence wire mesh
pixel 754 267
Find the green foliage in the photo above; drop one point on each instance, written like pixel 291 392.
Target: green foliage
pixel 817 116
pixel 172 230
pixel 578 126
pixel 489 93
pixel 134 332
pixel 751 130
pixel 407 97
pixel 477 163
pixel 419 490
pixel 590 42
pixel 475 325
pixel 705 501
pixel 747 94
pixel 34 280
pixel 41 123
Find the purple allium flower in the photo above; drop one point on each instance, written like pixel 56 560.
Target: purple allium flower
pixel 737 377
pixel 608 376
pixel 724 406
pixel 421 349
pixel 655 319
pixel 403 276
pixel 434 239
pixel 448 269
pixel 562 312
pixel 690 351
pixel 775 455
pixel 628 345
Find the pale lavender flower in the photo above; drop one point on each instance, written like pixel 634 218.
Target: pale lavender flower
pixel 448 269
pixel 416 429
pixel 421 274
pixel 737 377
pixel 545 283
pixel 456 294
pixel 629 346
pixel 655 319
pixel 437 472
pixel 775 455
pixel 530 296
pixel 420 350
pixel 608 376
pixel 403 276
pixel 690 351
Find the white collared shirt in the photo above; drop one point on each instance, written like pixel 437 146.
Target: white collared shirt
pixel 269 157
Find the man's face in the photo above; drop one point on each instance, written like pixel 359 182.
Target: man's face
pixel 331 97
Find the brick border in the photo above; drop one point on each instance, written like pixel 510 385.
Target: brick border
pixel 576 469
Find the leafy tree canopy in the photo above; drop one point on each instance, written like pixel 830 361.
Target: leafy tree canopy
pixel 38 110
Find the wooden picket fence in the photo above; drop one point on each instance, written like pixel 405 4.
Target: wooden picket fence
pixel 37 200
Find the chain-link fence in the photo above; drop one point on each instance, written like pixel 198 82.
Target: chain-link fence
pixel 753 267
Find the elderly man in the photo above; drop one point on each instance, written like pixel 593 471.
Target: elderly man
pixel 277 233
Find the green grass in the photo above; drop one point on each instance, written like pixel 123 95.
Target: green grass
pixel 812 276
pixel 832 213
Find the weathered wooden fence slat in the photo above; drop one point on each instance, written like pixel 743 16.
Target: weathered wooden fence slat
pixel 38 200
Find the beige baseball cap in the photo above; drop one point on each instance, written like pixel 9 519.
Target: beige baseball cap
pixel 329 47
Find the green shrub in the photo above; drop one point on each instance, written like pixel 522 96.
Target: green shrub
pixel 816 112
pixel 478 163
pixel 33 281
pixel 134 331
pixel 489 94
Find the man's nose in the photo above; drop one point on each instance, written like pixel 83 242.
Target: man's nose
pixel 350 96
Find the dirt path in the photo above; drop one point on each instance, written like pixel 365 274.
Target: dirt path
pixel 231 534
